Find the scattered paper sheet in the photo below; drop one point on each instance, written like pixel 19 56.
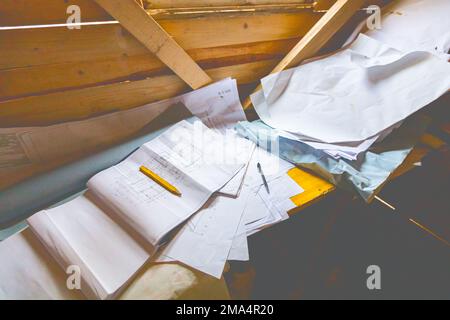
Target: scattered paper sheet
pixel 205 245
pixel 277 203
pixel 113 230
pixel 218 232
pixel 348 151
pixel 234 186
pixel 217 106
pixel 362 177
pixel 220 109
pixel 352 95
pixel 282 189
pixel 264 209
pixel 239 248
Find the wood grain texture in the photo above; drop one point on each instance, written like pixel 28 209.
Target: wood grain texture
pixel 32 47
pixel 87 102
pixel 45 60
pixel 212 3
pixel 42 79
pixel 145 29
pixel 26 12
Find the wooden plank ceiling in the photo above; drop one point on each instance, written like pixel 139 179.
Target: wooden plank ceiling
pixel 50 75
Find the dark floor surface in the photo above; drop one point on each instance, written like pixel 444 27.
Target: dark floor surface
pixel 323 252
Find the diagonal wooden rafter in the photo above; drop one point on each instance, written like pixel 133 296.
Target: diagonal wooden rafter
pixel 318 36
pixel 145 29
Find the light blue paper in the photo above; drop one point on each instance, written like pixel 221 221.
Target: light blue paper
pixel 365 176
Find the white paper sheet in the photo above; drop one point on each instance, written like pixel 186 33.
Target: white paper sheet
pixel 264 209
pixel 234 186
pixel 277 203
pixel 281 190
pixel 80 233
pixel 205 244
pixel 28 272
pixel 348 151
pixel 105 234
pixel 416 25
pixel 239 248
pixel 181 158
pixel 217 106
pixel 218 232
pixel 352 95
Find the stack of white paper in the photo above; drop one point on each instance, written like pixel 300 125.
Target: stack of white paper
pixel 81 233
pixel 28 272
pixel 218 232
pixel 343 103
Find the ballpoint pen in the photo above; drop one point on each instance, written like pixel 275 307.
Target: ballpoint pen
pixel 263 177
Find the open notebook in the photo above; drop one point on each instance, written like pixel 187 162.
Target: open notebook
pixel 114 228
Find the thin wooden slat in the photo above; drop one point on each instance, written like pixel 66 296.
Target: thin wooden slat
pixel 322 32
pixel 318 36
pixel 51 59
pixel 156 39
pixel 28 81
pixel 158 4
pixel 35 12
pixel 87 102
pixel 25 48
pixel 226 11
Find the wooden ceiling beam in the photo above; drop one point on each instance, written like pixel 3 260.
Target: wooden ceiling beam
pixel 145 29
pixel 318 36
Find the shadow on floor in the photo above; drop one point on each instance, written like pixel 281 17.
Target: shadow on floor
pixel 324 251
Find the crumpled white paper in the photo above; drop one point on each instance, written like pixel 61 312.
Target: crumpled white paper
pixel 352 95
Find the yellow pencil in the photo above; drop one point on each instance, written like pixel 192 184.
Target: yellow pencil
pixel 163 183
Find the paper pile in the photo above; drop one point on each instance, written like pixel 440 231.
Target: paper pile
pixel 219 231
pixel 112 230
pixel 344 103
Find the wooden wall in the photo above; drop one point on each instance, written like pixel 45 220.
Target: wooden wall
pixel 50 75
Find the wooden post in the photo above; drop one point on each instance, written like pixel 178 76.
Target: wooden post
pixel 142 26
pixel 318 36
